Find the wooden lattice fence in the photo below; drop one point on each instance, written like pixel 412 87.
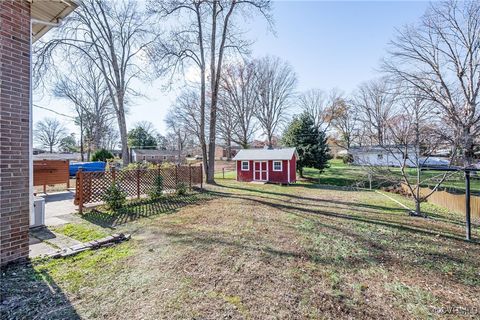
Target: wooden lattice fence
pixel 91 186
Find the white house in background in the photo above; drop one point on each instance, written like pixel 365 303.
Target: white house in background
pixel 382 156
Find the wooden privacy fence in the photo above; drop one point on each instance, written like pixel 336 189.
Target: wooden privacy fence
pixel 91 186
pixel 451 201
pixel 49 172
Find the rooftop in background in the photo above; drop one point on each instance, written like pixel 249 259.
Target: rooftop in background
pixel 149 152
pixel 378 148
pixel 75 156
pixel 46 14
pixel 265 154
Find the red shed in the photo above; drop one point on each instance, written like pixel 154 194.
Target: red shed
pixel 267 165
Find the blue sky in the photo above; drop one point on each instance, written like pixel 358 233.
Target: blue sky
pixel 329 44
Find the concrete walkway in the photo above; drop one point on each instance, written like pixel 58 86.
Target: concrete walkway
pixel 43 241
pixel 59 208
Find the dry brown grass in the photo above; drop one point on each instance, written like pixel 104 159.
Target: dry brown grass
pixel 268 252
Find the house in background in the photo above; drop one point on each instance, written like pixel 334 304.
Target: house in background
pixel 155 156
pixel 267 165
pixel 221 152
pixel 389 156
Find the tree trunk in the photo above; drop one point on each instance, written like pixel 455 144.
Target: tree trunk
pixel 123 137
pixel 229 148
pixel 82 157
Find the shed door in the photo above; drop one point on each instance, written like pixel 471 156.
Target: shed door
pixel 260 171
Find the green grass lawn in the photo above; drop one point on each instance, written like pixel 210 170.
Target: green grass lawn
pixel 340 174
pixel 252 251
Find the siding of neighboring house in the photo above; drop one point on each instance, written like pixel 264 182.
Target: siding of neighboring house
pixel 14 130
pixel 379 159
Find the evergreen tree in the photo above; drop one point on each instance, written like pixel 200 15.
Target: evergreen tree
pixel 311 143
pixel 142 139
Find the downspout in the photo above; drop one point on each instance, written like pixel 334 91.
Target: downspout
pixel 30 134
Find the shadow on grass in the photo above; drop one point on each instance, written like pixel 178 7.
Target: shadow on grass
pixel 30 294
pixel 330 201
pixel 287 207
pixel 143 208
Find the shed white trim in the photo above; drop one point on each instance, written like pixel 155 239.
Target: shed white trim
pixel 265 154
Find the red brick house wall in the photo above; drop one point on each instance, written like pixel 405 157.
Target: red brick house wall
pixel 14 129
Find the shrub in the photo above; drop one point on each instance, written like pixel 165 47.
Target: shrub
pixel 167 165
pixel 181 189
pixel 157 189
pixel 347 159
pixel 114 197
pixel 101 155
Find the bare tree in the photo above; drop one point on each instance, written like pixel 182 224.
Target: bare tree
pixel 321 106
pixel 110 139
pixel 239 102
pixel 276 82
pixel 345 123
pixel 185 113
pixel 375 102
pixel 112 35
pixel 440 57
pixel 202 34
pixel 49 132
pixel 179 131
pixel 84 86
pixel 412 132
pixel 227 125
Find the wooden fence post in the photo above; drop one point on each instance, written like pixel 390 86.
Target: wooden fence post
pixel 79 189
pixel 138 183
pixel 176 177
pixel 190 176
pixel 201 177
pixel 223 173
pixel 113 175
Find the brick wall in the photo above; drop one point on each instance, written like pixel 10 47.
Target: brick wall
pixel 14 129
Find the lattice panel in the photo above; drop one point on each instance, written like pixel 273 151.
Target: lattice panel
pixel 91 186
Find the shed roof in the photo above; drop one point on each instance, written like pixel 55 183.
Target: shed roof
pixel 265 154
pixel 47 13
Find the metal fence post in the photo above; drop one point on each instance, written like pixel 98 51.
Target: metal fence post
pixel 467 206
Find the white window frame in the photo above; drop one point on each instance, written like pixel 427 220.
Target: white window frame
pixel 248 165
pixel 281 165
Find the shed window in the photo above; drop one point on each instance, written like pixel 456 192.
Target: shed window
pixel 277 165
pixel 245 166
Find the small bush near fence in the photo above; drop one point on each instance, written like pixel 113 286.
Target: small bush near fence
pixel 114 197
pixel 157 189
